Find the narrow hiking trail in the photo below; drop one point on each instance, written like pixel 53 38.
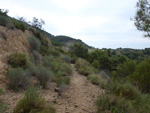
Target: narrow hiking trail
pixel 80 97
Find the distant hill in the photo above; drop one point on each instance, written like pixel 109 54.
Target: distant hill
pixel 66 40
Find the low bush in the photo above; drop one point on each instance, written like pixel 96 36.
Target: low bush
pixel 83 67
pixel 65 58
pixel 109 103
pixel 3 107
pixel 18 60
pixel 94 79
pixel 4 20
pixel 47 61
pixel 18 79
pixel 19 25
pixel 33 103
pixel 43 74
pixel 37 57
pixel 61 80
pixel 35 44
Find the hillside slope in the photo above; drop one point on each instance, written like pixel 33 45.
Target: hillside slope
pixel 11 41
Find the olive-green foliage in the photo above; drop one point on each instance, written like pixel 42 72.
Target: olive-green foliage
pixel 54 52
pixel 19 25
pixel 83 67
pixel 60 80
pixel 33 103
pixel 141 75
pixel 3 106
pixel 95 79
pixel 65 58
pixel 36 56
pixel 18 60
pixel 45 50
pixel 100 58
pixel 109 103
pixel 43 74
pixel 35 44
pixel 125 90
pixel 96 64
pixel 126 69
pixel 141 19
pixel 79 50
pixel 18 79
pixel 4 20
pixel 73 58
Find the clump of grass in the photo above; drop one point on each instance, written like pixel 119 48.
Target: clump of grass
pixel 18 60
pixel 3 106
pixel 33 103
pixel 18 79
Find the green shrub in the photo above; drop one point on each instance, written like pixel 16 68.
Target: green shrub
pixel 141 75
pixel 33 103
pixel 18 60
pixel 43 74
pixel 61 80
pixel 96 64
pixel 45 50
pixel 79 50
pixel 124 90
pixel 60 67
pixel 83 67
pixel 109 103
pixel 47 61
pixel 37 56
pixel 4 20
pixel 3 107
pixel 85 70
pixel 94 79
pixel 65 58
pixel 126 69
pixel 19 25
pixel 54 52
pixel 18 79
pixel 35 44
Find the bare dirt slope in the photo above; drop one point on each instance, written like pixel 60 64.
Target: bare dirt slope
pixel 80 97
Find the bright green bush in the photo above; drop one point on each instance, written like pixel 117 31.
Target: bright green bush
pixel 18 60
pixel 18 79
pixel 33 103
pixel 35 44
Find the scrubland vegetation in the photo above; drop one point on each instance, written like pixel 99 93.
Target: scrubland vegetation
pixel 126 80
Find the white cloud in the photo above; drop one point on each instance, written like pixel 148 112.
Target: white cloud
pixel 100 23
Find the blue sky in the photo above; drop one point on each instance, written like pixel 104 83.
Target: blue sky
pixel 99 23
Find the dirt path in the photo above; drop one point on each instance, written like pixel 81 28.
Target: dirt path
pixel 80 97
